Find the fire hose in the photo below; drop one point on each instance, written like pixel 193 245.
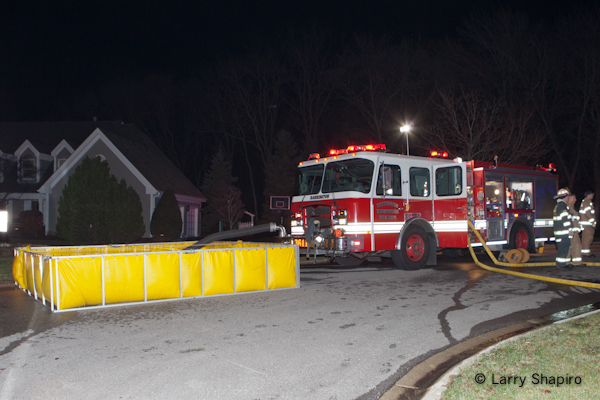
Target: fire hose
pixel 521 274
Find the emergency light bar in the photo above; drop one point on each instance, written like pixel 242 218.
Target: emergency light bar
pixel 354 148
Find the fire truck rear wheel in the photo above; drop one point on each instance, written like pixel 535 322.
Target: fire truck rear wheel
pixel 520 238
pixel 414 250
pixel 350 261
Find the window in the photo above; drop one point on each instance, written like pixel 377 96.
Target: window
pixel 419 182
pixel 28 170
pixel 494 197
pixel 309 179
pixel 519 195
pixel 348 176
pixel 389 181
pixel 60 162
pixel 448 181
pixel 3 168
pixel 31 205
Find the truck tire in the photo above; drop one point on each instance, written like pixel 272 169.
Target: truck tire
pixel 520 237
pixel 414 250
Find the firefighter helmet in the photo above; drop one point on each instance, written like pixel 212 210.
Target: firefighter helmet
pixel 562 193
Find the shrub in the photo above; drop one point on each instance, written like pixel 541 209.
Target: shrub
pixel 32 224
pixel 166 219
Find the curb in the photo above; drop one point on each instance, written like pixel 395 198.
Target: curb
pixel 440 386
pixel 418 380
pixel 429 379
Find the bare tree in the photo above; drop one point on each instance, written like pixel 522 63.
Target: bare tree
pixel 234 208
pixel 580 34
pixel 155 105
pixel 466 124
pixel 469 125
pixel 373 77
pixel 251 90
pixel 223 197
pixel 310 85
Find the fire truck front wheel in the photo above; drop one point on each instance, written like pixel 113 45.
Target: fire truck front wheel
pixel 414 250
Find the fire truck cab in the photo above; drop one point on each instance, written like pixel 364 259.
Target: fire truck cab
pixel 361 201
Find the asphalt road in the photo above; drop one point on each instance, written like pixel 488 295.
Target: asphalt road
pixel 347 333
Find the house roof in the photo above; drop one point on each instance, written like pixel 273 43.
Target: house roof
pixel 138 148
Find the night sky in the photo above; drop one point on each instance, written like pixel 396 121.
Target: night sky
pixel 54 51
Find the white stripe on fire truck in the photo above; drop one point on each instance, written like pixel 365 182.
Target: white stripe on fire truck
pixel 450 226
pixel 494 243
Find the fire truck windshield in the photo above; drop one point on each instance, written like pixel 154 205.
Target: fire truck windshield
pixel 309 179
pixel 348 175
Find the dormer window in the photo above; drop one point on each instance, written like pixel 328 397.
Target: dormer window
pixel 28 170
pixel 60 162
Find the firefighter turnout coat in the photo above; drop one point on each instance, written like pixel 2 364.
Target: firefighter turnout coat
pixel 588 225
pixel 586 214
pixel 563 231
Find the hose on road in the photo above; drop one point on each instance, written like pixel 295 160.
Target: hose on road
pixel 521 274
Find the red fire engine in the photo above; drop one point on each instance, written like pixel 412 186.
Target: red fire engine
pixel 361 201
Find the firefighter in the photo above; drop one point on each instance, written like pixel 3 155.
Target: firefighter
pixel 563 229
pixel 588 223
pixel 575 249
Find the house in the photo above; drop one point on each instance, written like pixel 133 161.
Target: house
pixel 43 155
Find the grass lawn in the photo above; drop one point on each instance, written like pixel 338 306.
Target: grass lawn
pixel 6 269
pixel 558 362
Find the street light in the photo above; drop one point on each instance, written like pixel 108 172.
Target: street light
pixel 406 129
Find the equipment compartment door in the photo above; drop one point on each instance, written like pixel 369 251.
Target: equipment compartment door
pixel 495 206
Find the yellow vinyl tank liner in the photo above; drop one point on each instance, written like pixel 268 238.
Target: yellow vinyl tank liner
pixel 68 278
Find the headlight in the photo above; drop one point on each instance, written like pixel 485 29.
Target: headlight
pixel 296 219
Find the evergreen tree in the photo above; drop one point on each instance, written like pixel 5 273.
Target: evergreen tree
pixel 96 209
pixel 166 219
pixel 127 223
pixel 280 175
pixel 223 198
